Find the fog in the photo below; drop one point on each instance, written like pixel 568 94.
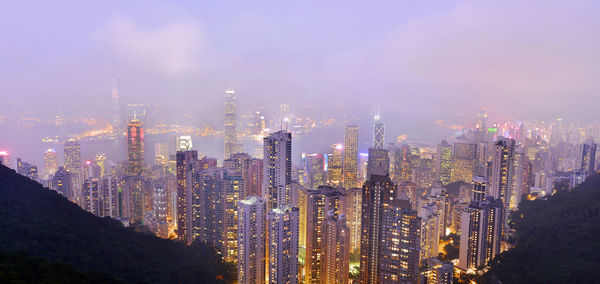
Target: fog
pixel 418 62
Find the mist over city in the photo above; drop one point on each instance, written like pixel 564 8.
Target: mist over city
pixel 190 120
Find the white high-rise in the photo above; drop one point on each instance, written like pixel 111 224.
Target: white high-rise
pixel 277 173
pixel 283 245
pixel 251 240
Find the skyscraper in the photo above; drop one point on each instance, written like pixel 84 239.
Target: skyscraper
pixel 377 191
pixel 464 159
pixel 588 158
pixel 390 238
pixel 231 139
pixel 336 249
pixel 73 166
pixel 282 225
pixel 61 182
pixel 444 162
pixel 135 147
pixel 251 240
pixel 479 189
pixel 352 209
pixel 502 174
pixel 50 163
pixel 350 156
pixel 183 194
pixel 319 203
pixel 254 178
pixel 481 224
pixel 277 171
pixel 313 170
pixel 378 158
pixel 90 196
pixel 378 132
pixel 335 168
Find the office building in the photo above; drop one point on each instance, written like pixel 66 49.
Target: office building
pixel 231 138
pixel 50 164
pixel 378 158
pixel 350 162
pixel 135 147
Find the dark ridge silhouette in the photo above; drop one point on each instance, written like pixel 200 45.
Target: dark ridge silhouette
pixel 41 223
pixel 557 240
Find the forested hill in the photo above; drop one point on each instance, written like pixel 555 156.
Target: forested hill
pixel 558 240
pixel 40 223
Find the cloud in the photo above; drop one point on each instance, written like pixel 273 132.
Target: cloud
pixel 172 48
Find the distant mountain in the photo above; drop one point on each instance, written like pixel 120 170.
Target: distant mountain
pixel 558 240
pixel 41 223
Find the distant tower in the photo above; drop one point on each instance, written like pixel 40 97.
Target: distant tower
pixel 116 109
pixel 231 139
pixel 50 163
pixel 73 165
pixel 351 156
pixel 135 147
pixel 277 171
pixel 378 132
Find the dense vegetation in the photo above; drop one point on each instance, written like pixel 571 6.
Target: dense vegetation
pixel 557 240
pixel 39 222
pixel 20 268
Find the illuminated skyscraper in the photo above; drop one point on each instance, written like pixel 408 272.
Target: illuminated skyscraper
pixel 50 163
pixel 464 159
pixel 352 209
pixel 109 194
pixel 277 171
pixel 254 178
pixel 313 170
pixel 502 174
pixel 231 138
pixel 350 156
pixel 282 225
pixel 444 162
pixel 335 165
pixel 336 250
pixel 479 188
pixel 251 240
pixel 61 182
pixel 73 166
pixel 135 147
pixel 90 196
pixel 184 198
pixel 480 236
pixel 378 132
pixel 390 236
pixel 184 143
pixel 100 160
pixel 318 203
pixel 239 162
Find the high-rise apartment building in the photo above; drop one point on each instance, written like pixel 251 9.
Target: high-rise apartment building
pixel 319 203
pixel 350 163
pixel 481 225
pixel 61 182
pixel 352 209
pixel 254 177
pixel 251 240
pixel 135 147
pixel 184 195
pixel 277 170
pixel 313 170
pixel 282 225
pixel 90 196
pixel 502 175
pixel 335 261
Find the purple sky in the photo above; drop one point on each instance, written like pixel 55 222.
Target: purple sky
pixel 420 61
